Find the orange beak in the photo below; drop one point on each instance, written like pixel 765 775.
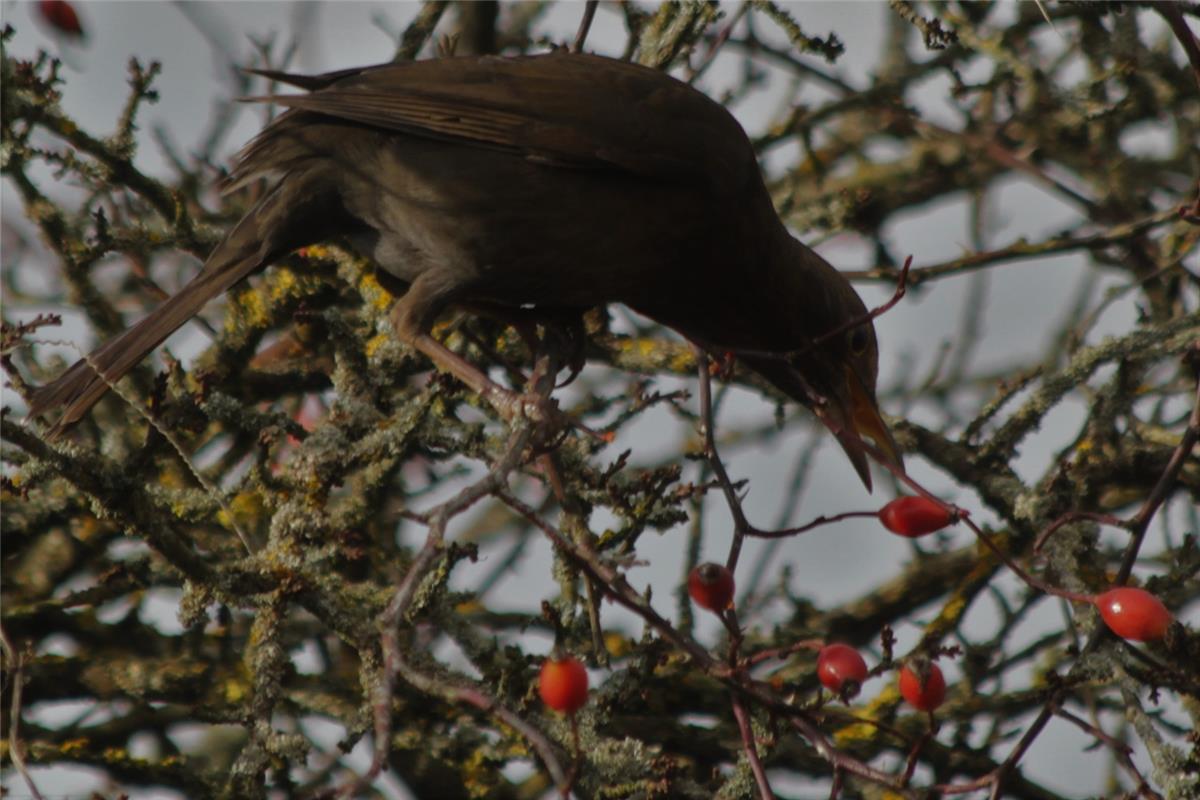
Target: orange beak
pixel 857 419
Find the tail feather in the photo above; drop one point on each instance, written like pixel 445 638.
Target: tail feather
pixel 274 227
pixel 81 386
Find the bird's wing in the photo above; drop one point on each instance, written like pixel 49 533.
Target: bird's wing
pixel 565 110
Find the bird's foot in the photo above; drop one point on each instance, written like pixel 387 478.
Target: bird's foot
pixel 541 410
pixel 534 406
pixel 722 366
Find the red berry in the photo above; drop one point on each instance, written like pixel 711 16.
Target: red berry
pixel 1133 613
pixel 711 586
pixel 923 694
pixel 839 664
pixel 61 16
pixel 563 684
pixel 914 516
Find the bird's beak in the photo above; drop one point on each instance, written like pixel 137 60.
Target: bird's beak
pixel 858 416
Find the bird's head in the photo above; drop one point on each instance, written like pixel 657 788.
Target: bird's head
pixel 834 360
pixel 842 368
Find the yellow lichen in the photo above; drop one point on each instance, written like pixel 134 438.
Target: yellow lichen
pixel 73 747
pixel 234 690
pixel 954 608
pixel 374 343
pixel 171 479
pixel 85 529
pixel 252 308
pixel 856 732
pixel 479 773
pixel 683 362
pixel 865 731
pixel 284 283
pixel 374 293
pixel 246 507
pixel 469 607
pixel 617 645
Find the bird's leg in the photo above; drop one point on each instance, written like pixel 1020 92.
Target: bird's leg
pixel 505 401
pixel 575 337
pixel 412 317
pixel 723 366
pixel 562 329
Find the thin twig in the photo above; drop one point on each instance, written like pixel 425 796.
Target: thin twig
pixel 1121 751
pixel 585 24
pixel 748 744
pixel 1158 495
pixel 719 42
pixel 1170 11
pixel 996 777
pixel 816 523
pixel 1070 517
pixel 16 677
pixel 740 524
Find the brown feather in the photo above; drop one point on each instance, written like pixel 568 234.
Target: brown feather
pixel 534 106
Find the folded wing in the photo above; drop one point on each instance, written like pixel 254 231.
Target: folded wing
pixel 564 110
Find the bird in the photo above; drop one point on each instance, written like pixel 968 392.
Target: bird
pixel 559 182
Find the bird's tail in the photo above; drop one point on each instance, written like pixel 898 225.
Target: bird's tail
pixel 254 242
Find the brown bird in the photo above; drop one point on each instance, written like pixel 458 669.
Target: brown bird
pixel 559 181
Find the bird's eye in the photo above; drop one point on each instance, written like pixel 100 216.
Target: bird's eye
pixel 859 341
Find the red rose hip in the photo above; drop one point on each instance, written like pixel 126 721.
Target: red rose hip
pixel 914 516
pixel 61 16
pixel 1133 613
pixel 924 693
pixel 711 586
pixel 563 684
pixel 839 665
